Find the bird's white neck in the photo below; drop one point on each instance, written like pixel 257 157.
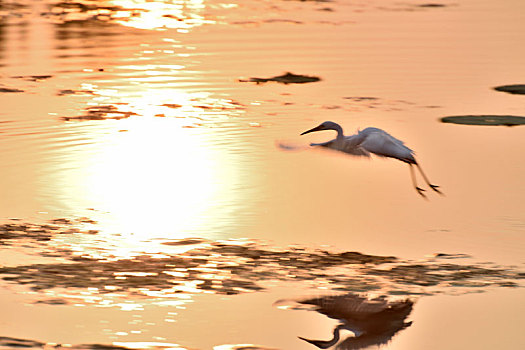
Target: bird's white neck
pixel 339 130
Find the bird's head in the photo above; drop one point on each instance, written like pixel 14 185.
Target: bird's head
pixel 328 125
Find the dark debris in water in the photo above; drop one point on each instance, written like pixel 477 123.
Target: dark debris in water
pixel 432 5
pixel 451 256
pixel 446 274
pixel 237 269
pixel 21 231
pixel 171 105
pixel 32 77
pixel 233 267
pixel 282 20
pixel 55 301
pixel 8 342
pixel 18 343
pixel 358 103
pixel 491 120
pixel 104 112
pixel 287 78
pixel 9 90
pixel 66 92
pixel 518 89
pixel 185 241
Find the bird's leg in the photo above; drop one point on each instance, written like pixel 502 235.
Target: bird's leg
pixel 434 187
pixel 414 182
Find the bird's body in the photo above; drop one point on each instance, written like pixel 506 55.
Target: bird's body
pixel 371 140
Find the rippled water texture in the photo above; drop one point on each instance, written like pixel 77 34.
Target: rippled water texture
pixel 155 191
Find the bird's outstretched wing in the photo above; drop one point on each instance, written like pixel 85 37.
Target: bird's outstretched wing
pixel 343 307
pixel 383 144
pixel 349 147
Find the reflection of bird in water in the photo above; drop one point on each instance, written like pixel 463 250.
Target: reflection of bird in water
pixel 372 140
pixel 373 321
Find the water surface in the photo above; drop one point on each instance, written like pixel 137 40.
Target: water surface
pixel 130 120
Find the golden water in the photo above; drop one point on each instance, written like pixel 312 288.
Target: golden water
pixel 131 114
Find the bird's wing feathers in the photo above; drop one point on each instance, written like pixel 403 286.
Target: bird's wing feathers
pixel 349 147
pixel 353 147
pixel 343 307
pixel 383 144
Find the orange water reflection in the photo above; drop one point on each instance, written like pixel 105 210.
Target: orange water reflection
pixel 154 175
pixel 181 15
pixel 150 129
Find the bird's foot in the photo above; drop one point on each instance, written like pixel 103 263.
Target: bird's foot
pixel 420 191
pixel 435 188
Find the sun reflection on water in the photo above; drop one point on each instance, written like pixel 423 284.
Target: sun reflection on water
pixel 182 15
pixel 152 177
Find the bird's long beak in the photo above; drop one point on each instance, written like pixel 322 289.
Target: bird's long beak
pixel 317 128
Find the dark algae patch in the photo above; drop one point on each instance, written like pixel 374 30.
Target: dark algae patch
pixel 4 89
pixel 32 77
pixel 66 92
pixel 432 5
pixel 18 343
pixel 231 267
pixel 505 120
pixel 517 89
pixel 104 112
pixel 287 78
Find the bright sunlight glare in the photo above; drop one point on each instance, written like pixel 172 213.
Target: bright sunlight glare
pixel 154 175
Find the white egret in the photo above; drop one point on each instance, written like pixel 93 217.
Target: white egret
pixel 376 141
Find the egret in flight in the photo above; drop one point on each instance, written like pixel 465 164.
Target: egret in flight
pixel 376 141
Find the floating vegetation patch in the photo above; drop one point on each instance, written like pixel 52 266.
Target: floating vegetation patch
pixel 185 241
pixel 505 120
pixel 8 90
pixel 400 6
pixel 358 103
pixel 42 238
pixel 204 111
pixel 431 5
pixel 282 20
pixel 233 267
pixel 518 89
pixel 66 92
pixel 213 104
pixel 171 105
pixel 104 112
pixel 287 78
pixel 18 343
pixel 32 77
pixel 17 231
